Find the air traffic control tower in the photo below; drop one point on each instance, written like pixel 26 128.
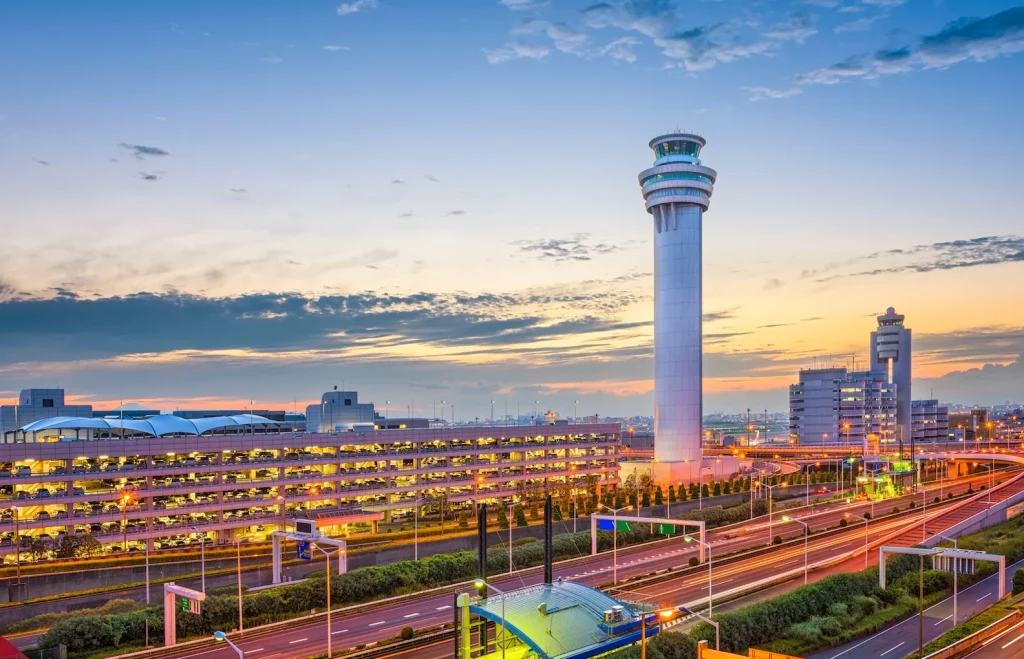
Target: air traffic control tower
pixel 677 190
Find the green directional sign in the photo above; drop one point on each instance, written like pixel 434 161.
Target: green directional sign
pixel 667 529
pixel 184 604
pixel 623 526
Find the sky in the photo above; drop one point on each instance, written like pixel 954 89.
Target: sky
pixel 206 204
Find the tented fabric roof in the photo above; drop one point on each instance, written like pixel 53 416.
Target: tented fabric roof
pixel 157 426
pixel 571 628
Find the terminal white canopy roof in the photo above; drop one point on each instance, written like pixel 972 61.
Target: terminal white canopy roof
pixel 157 426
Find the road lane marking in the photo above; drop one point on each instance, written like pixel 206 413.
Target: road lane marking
pixel 1013 641
pixel 342 631
pixel 848 649
pixel 411 615
pixel 943 620
pixel 442 608
pixel 374 624
pixel 255 650
pixel 298 640
pixel 892 648
pixel 982 597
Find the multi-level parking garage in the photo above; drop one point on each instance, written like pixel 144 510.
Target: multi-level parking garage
pixel 230 477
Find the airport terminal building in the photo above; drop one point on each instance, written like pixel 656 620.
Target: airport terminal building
pixel 179 481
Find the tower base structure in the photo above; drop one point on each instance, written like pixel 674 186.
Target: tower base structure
pixel 708 468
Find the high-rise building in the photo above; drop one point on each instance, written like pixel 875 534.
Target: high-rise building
pixel 835 406
pixel 930 421
pixel 677 191
pixel 891 351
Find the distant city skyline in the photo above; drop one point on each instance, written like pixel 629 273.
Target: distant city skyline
pixel 438 200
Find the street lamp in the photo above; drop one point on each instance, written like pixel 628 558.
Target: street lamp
pixel 955 571
pixel 126 499
pixel 238 556
pixel 706 619
pixel 865 520
pixel 575 505
pixel 770 498
pixel 807 535
pixel 706 546
pixel 328 555
pixel 482 587
pixel 202 555
pixel 700 486
pixel 221 636
pixel 615 539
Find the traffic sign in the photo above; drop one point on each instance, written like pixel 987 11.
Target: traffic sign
pixel 667 529
pixel 623 526
pixel 302 550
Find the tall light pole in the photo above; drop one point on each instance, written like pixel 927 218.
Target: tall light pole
pixel 482 587
pixel 807 535
pixel 700 486
pixel 17 541
pixel 705 619
pixel 202 555
pixel 511 505
pixel 865 520
pixel 238 557
pixel 221 636
pixel 707 547
pixel 955 571
pixel 575 506
pixel 770 498
pixel 328 555
pixel 126 499
pixel 615 539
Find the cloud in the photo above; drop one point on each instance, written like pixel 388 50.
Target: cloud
pixel 240 190
pixel 970 345
pixel 977 39
pixel 562 250
pixel 715 316
pixel 772 284
pixel 564 38
pixel 825 4
pixel 406 214
pixel 397 182
pixel 346 8
pixel 140 151
pixel 693 48
pixel 761 93
pixel 335 48
pixel 621 49
pixel 797 28
pixel 991 384
pixel 272 59
pixel 516 50
pixel 41 162
pixel 521 5
pixel 947 255
pixel 455 213
pixel 884 3
pixel 859 25
pixel 149 177
pixel 431 178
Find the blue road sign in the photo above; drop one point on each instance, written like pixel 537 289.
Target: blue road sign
pixel 302 550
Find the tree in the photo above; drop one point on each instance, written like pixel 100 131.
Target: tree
pixel 704 490
pixel 659 499
pixel 37 548
pixel 671 493
pixel 463 520
pixel 520 516
pixel 556 513
pixel 1018 582
pixel 502 518
pixel 718 490
pixel 646 499
pixel 682 493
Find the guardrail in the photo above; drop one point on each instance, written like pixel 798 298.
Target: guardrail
pixel 977 639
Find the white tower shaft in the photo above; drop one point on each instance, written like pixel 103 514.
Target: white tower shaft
pixel 677 332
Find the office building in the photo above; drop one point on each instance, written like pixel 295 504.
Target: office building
pixel 891 352
pixel 930 421
pixel 835 406
pixel 338 410
pixel 970 425
pixel 243 474
pixel 677 190
pixel 35 404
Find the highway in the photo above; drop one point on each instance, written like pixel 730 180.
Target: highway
pixel 1008 645
pixel 902 639
pixel 306 639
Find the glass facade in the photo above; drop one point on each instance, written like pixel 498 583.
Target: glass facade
pixel 675 192
pixel 680 148
pixel 686 176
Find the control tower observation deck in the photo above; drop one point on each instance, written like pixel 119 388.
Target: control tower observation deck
pixel 677 190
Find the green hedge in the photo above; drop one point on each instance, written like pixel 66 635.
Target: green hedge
pixel 85 633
